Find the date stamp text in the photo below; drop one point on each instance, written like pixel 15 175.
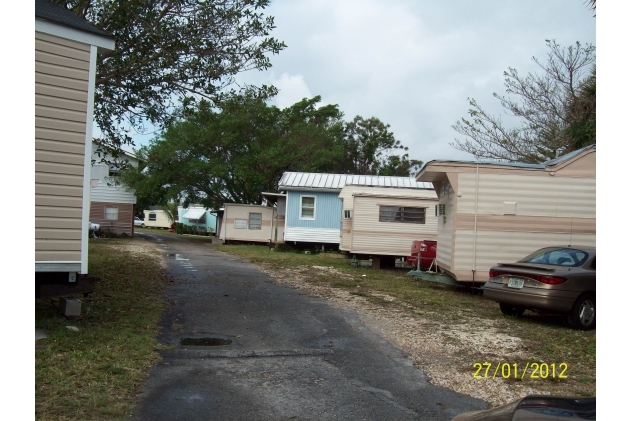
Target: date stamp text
pixel 530 370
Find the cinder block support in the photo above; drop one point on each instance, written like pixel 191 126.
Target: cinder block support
pixel 70 307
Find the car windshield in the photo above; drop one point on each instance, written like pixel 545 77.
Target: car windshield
pixel 558 257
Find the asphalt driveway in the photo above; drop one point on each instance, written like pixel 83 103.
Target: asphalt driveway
pixel 290 355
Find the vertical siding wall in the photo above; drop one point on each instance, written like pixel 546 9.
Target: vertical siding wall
pixel 328 212
pixel 124 223
pixel 325 228
pixel 61 97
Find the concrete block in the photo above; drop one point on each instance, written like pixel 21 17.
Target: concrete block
pixel 70 307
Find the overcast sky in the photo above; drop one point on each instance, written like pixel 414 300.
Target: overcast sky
pixel 413 63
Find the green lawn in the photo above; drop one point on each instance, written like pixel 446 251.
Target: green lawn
pixel 95 373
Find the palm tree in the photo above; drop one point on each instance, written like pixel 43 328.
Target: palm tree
pixel 170 209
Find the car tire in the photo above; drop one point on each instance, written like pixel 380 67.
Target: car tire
pixel 142 225
pixel 511 310
pixel 583 314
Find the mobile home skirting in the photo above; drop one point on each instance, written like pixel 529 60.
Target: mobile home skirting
pixel 312 235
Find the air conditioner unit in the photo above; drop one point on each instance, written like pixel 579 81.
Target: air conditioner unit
pixel 440 210
pixel 348 213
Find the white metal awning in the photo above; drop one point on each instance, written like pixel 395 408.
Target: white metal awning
pixel 194 213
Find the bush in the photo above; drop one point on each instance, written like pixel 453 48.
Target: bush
pixel 181 228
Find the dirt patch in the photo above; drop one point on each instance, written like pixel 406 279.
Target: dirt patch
pixel 443 349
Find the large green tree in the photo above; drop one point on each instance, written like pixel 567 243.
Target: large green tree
pixel 233 152
pixel 549 110
pixel 371 148
pixel 170 52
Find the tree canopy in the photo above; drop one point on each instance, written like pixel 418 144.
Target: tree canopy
pixel 556 110
pixel 169 53
pixel 369 149
pixel 232 152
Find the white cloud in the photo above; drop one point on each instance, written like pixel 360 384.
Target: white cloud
pixel 292 88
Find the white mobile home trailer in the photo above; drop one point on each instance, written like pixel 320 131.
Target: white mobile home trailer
pixel 156 218
pixel 493 213
pixel 65 67
pixel 385 221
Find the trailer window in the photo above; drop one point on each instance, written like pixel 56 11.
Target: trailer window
pixel 307 207
pixel 401 214
pixel 111 213
pixel 255 221
pixel 152 216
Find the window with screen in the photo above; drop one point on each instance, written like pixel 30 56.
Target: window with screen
pixel 255 221
pixel 307 207
pixel 111 213
pixel 401 214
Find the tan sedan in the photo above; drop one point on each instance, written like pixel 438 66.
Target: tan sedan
pixel 553 279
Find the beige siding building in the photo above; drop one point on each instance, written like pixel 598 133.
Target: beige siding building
pixel 65 68
pixel 250 223
pixel 156 218
pixel 497 213
pixel 386 220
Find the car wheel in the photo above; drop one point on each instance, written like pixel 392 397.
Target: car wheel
pixel 511 310
pixel 583 314
pixel 142 225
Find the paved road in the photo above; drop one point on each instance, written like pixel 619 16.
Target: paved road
pixel 292 356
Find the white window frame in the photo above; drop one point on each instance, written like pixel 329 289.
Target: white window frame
pixel 105 213
pixel 308 218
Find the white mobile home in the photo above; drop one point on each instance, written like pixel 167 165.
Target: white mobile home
pixel 493 213
pixel 156 218
pixel 384 221
pixel 65 67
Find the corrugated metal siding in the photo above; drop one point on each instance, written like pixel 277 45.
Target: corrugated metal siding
pixel 389 238
pixel 328 211
pixel 312 235
pixel 61 90
pixel 125 222
pixel 337 181
pixel 112 194
pixel 535 196
pixel 495 247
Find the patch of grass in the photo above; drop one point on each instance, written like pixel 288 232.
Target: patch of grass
pixel 95 373
pixel 545 338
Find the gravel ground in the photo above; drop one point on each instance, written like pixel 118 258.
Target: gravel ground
pixel 443 351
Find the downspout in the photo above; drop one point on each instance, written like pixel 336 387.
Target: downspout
pixel 475 222
pixel 225 228
pixel 271 234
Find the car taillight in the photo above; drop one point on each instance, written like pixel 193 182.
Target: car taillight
pixel 494 273
pixel 551 280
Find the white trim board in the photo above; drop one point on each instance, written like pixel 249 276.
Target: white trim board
pixel 61 31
